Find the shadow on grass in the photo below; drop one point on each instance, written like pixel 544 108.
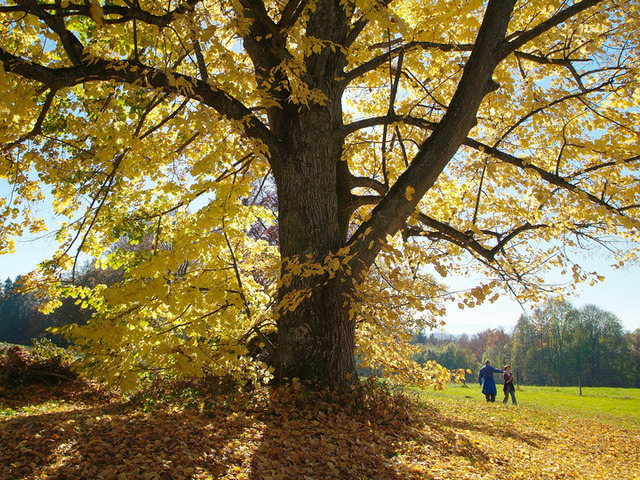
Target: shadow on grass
pixel 119 442
pixel 231 437
pixel 76 392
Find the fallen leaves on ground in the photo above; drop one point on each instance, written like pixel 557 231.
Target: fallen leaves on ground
pixel 72 432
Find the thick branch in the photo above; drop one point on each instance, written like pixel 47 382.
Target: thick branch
pixel 386 120
pixel 443 231
pixel 503 156
pixel 291 13
pixel 257 10
pixel 358 201
pixel 125 13
pixel 557 19
pixel 401 201
pixel 360 24
pixel 366 182
pixel 134 73
pixel 72 46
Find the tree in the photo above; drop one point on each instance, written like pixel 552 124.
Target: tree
pixel 601 345
pixel 497 347
pixel 20 320
pixel 440 132
pixel 544 344
pixel 634 342
pixel 450 355
pixel 13 328
pixel 71 309
pixel 14 314
pixel 561 345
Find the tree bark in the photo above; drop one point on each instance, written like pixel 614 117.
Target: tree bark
pixel 316 340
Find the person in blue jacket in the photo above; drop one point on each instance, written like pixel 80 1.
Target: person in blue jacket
pixel 485 378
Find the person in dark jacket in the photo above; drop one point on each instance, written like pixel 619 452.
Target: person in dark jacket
pixel 485 378
pixel 508 388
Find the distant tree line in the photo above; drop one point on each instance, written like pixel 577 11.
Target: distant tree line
pixel 556 344
pixel 20 320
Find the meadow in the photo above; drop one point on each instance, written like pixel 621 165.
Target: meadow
pixel 617 406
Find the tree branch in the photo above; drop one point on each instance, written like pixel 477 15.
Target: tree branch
pixel 134 73
pixel 546 106
pixel 545 175
pixel 360 24
pixel 446 232
pixel 291 13
pixel 402 199
pixel 125 13
pixel 204 75
pixel 408 47
pixel 37 128
pixel 562 16
pixel 599 166
pixel 72 46
pixel 366 182
pixel 385 120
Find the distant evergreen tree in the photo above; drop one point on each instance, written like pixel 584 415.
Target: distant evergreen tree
pixel 20 320
pixel 14 314
pixel 633 340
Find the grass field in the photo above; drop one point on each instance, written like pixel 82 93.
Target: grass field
pixel 618 406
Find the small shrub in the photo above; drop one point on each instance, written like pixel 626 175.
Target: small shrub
pixel 45 364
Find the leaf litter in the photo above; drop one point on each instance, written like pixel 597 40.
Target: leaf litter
pixel 75 431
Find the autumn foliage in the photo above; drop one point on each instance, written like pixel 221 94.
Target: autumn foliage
pixel 404 141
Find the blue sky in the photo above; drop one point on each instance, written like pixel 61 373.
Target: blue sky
pixel 618 294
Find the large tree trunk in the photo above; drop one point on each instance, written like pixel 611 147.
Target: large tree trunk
pixel 316 339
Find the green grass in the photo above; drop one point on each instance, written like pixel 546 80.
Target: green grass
pixel 7 345
pixel 619 406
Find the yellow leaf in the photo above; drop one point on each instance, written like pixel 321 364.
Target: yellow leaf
pixel 97 14
pixel 409 192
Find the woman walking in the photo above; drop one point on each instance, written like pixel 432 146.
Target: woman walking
pixel 485 378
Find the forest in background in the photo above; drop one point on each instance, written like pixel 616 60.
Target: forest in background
pixel 556 344
pixel 20 320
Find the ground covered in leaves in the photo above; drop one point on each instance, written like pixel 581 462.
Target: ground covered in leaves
pixel 74 431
